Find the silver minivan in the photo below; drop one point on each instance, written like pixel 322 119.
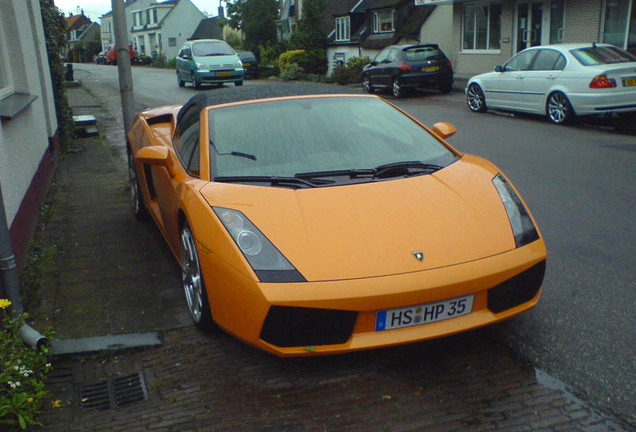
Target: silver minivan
pixel 208 61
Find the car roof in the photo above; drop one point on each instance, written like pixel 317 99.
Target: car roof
pixel 570 46
pixel 227 95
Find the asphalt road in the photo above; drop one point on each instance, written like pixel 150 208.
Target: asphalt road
pixel 579 182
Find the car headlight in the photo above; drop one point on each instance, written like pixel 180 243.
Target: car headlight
pixel 267 262
pixel 239 65
pixel 201 66
pixel 523 228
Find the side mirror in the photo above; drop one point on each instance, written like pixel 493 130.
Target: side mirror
pixel 499 68
pixel 373 63
pixel 444 130
pixel 156 155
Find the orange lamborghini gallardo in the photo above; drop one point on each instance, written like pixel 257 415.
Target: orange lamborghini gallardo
pixel 309 221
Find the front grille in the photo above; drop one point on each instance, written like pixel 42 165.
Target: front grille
pixel 516 290
pixel 292 326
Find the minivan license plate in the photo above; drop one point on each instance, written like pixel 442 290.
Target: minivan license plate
pixel 423 314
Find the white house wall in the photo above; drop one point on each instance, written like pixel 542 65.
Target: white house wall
pixel 24 139
pixel 438 29
pixel 180 24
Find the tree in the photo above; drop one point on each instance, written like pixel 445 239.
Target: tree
pixel 256 19
pixel 308 34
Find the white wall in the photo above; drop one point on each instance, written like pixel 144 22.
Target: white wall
pixel 438 29
pixel 180 24
pixel 24 139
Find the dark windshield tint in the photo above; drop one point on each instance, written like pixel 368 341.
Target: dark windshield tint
pixel 202 49
pixel 283 138
pixel 601 55
pixel 422 53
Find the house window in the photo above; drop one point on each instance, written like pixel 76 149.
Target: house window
pixel 147 16
pixel 172 42
pixel 5 78
pixel 343 29
pixel 383 21
pixel 619 25
pixel 481 26
pixel 154 16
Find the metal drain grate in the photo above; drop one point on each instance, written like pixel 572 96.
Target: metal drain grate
pixel 114 393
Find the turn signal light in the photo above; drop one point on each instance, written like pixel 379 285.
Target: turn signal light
pixel 601 81
pixel 405 67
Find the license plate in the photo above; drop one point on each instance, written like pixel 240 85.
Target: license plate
pixel 423 314
pixel 247 64
pixel 223 74
pixel 629 82
pixel 430 68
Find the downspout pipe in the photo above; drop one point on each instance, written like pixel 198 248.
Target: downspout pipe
pixel 9 278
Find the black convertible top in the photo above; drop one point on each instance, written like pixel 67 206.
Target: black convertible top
pixel 237 94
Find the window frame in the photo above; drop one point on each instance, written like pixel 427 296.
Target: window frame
pixel 6 76
pixel 377 21
pixel 489 27
pixel 343 29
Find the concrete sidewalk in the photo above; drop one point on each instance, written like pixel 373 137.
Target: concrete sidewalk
pixel 115 276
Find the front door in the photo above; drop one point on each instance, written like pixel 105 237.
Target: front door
pixel 539 22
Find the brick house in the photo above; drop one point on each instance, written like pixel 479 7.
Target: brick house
pixel 29 135
pixel 487 33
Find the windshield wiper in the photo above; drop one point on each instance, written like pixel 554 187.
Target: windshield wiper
pixel 351 173
pixel 273 180
pixel 405 168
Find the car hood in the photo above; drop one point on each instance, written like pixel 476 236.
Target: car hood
pixel 373 229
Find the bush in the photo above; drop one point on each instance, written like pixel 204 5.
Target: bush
pixel 22 373
pixel 291 73
pixel 289 57
pixel 351 73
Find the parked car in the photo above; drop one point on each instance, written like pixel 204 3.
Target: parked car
pixel 208 61
pixel 101 58
pixel 560 81
pixel 250 63
pixel 111 55
pixel 400 68
pixel 329 221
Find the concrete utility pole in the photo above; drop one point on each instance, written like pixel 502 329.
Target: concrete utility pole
pixel 123 64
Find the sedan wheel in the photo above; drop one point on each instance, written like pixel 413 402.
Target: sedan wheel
pixel 135 192
pixel 193 285
pixel 397 89
pixel 475 98
pixel 366 84
pixel 559 108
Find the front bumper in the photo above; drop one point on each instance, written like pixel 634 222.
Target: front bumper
pixel 259 312
pixel 219 76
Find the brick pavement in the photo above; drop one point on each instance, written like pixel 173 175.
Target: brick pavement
pixel 111 268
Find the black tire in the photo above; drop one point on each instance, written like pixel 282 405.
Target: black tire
pixel 238 83
pixel 475 98
pixel 366 84
pixel 192 279
pixel 139 209
pixel 446 88
pixel 396 89
pixel 559 109
pixel 180 81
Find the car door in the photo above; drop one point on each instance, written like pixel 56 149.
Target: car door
pixel 168 187
pixel 546 68
pixel 377 72
pixel 505 89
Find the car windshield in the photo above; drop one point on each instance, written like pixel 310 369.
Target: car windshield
pixel 297 136
pixel 600 55
pixel 422 53
pixel 203 49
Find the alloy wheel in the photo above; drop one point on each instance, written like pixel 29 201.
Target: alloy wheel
pixel 559 109
pixel 475 98
pixel 366 84
pixel 191 275
pixel 397 88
